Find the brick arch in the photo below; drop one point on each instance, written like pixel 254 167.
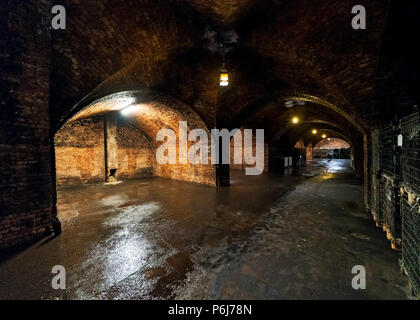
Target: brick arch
pixel 85 58
pixel 127 40
pixel 159 110
pixel 321 125
pixel 342 63
pixel 293 135
pixel 332 133
pixel 275 117
pixel 355 121
pixel 152 111
pixel 325 141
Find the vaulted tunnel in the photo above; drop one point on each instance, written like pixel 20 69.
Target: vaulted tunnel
pixel 335 107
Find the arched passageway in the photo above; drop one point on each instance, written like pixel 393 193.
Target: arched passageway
pixel 124 126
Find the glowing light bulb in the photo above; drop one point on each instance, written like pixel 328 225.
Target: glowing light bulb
pixel 295 120
pixel 324 136
pixel 314 131
pixel 224 78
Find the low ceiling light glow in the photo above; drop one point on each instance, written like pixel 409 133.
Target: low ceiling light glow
pixel 295 120
pixel 324 136
pixel 129 110
pixel 314 131
pixel 122 103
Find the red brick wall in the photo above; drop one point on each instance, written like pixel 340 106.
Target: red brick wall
pixel 136 157
pixel 79 152
pixel 309 150
pixel 333 143
pixel 242 166
pixel 198 173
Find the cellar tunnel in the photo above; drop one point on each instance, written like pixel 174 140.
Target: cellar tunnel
pixel 318 171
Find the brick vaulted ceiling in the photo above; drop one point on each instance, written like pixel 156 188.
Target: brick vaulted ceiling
pixel 223 13
pixel 280 49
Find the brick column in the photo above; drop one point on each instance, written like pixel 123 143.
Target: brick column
pixel 26 189
pixel 309 150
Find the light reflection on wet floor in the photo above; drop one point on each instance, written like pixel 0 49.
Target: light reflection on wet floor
pixel 146 238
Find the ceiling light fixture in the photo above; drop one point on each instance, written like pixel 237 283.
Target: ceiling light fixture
pixel 295 120
pixel 224 78
pixel 324 136
pixel 224 75
pixel 289 104
pixel 314 131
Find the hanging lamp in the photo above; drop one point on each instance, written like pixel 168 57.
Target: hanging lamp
pixel 224 75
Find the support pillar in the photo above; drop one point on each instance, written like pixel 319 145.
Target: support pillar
pixel 111 147
pixel 26 202
pixel 222 170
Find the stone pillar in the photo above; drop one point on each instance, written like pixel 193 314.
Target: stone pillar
pixel 309 150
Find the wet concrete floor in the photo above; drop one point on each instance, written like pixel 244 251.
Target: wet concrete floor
pixel 274 236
